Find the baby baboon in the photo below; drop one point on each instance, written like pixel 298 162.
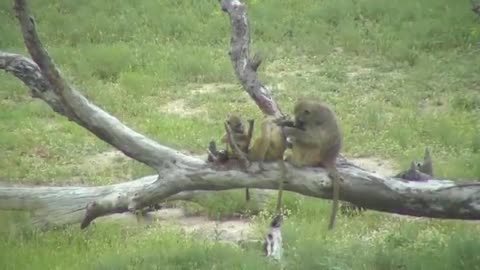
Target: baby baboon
pixel 427 165
pixel 414 174
pixel 419 171
pixel 316 139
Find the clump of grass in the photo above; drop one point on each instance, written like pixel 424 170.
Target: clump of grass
pixel 115 247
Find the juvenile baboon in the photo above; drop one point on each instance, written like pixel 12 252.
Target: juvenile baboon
pixel 427 165
pixel 240 135
pixel 419 171
pixel 268 146
pixel 241 138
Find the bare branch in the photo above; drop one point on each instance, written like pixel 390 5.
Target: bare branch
pixel 29 73
pixel 36 50
pixel 245 68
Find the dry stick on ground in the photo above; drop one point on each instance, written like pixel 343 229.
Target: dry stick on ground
pixel 183 176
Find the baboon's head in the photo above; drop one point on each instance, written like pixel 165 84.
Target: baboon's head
pixel 311 113
pixel 236 124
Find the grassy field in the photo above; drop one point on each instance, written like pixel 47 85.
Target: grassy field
pixel 400 74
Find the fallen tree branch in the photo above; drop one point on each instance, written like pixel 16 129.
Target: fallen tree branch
pixel 432 198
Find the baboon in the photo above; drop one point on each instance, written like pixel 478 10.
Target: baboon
pixel 316 140
pixel 242 139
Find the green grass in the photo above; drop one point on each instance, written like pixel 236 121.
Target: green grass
pixel 400 75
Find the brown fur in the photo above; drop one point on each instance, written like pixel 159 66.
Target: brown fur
pixel 316 140
pixel 242 139
pixel 270 146
pixel 240 135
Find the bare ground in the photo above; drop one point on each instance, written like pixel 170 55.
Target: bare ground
pixel 233 230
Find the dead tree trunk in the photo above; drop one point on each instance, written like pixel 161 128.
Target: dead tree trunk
pixel 181 176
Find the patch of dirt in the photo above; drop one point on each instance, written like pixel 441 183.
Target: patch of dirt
pixel 210 88
pixel 434 105
pixel 105 158
pixel 233 230
pixel 356 71
pixel 179 107
pixel 376 165
pixel 288 68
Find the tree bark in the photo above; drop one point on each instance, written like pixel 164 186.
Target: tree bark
pixel 244 66
pixel 433 198
pixel 181 176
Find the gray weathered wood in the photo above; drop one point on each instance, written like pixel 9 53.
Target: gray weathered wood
pixel 432 198
pixel 244 66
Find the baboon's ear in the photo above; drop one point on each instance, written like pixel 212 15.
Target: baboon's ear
pixel 427 157
pixel 413 166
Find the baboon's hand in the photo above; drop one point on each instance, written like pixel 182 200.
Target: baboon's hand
pixel 293 132
pixel 284 121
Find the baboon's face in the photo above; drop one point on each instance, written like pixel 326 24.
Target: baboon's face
pixel 308 114
pixel 235 124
